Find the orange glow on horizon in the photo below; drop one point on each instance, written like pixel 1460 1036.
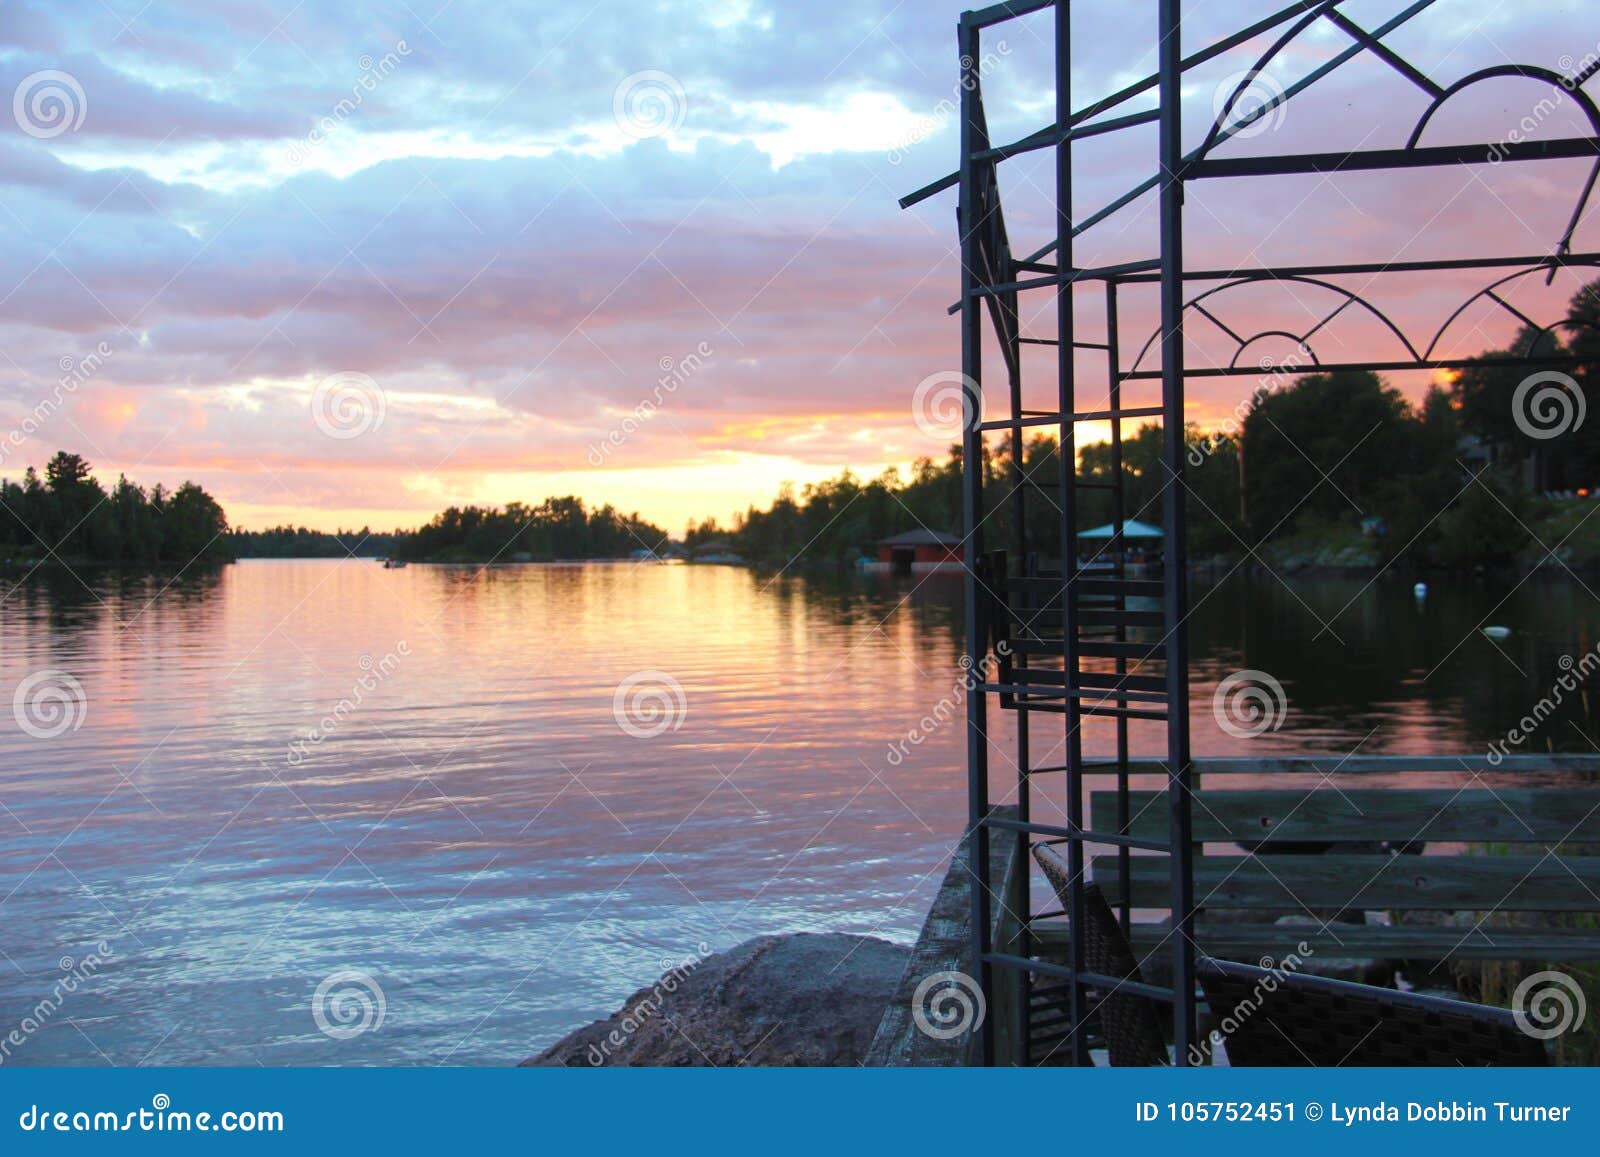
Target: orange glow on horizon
pixel 670 497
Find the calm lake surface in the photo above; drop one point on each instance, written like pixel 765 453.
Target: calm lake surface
pixel 287 770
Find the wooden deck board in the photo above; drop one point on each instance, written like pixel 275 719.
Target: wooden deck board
pixel 1501 815
pixel 1296 883
pixel 1250 942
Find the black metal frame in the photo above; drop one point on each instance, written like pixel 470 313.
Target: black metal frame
pixel 1008 597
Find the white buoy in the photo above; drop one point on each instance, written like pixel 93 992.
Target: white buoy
pixel 1497 632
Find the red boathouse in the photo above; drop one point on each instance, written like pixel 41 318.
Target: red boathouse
pixel 920 550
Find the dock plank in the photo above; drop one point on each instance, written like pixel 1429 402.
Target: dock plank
pixel 1501 815
pixel 1297 883
pixel 1251 942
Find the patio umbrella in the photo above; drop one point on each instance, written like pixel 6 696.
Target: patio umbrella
pixel 1133 528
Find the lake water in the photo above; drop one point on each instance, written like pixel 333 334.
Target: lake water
pixel 286 772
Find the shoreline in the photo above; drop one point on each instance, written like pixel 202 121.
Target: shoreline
pixel 1317 564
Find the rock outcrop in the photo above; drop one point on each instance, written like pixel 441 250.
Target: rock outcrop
pixel 804 999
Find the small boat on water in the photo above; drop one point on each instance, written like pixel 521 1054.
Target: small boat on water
pixel 393 563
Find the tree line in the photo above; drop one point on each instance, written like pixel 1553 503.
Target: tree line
pixel 1472 476
pixel 67 516
pixel 557 528
pixel 303 542
pixel 1469 477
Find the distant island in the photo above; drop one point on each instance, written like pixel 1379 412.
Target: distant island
pixel 1312 470
pixel 557 528
pixel 303 542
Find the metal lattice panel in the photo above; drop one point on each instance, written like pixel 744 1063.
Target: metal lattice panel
pixel 1097 641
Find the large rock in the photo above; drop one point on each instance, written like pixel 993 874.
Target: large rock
pixel 805 999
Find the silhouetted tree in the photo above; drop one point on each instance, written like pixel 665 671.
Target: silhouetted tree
pixel 69 518
pixel 557 528
pixel 303 542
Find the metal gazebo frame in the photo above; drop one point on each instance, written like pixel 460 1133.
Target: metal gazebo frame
pixel 1053 621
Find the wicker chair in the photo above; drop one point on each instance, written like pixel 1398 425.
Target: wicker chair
pixel 1131 1024
pixel 1275 1017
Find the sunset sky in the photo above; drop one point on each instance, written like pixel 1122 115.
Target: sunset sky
pixel 512 220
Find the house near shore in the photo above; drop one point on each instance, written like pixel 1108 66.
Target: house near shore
pixel 717 550
pixel 920 551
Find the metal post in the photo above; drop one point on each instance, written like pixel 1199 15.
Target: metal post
pixel 1119 516
pixel 1175 562
pixel 1020 897
pixel 1067 453
pixel 971 522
